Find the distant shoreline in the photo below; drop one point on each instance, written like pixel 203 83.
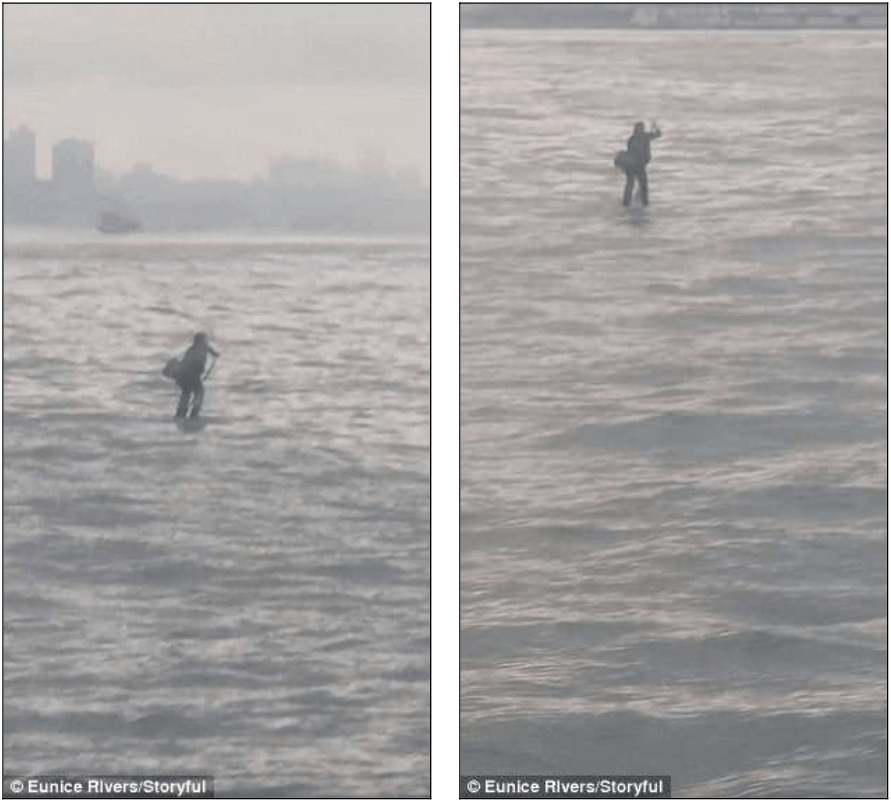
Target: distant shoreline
pixel 678 16
pixel 15 236
pixel 639 29
pixel 508 26
pixel 666 29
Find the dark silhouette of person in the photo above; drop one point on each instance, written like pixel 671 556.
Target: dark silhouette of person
pixel 636 164
pixel 188 375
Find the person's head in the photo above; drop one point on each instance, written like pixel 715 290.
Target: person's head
pixel 200 339
pixel 638 127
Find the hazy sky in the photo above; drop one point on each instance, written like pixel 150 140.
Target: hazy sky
pixel 216 90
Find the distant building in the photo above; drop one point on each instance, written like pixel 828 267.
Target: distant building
pixel 677 16
pixel 291 171
pixel 19 159
pixel 374 161
pixel 74 167
pixel 301 194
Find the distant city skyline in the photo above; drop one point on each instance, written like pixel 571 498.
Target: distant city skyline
pixel 676 15
pixel 294 193
pixel 217 91
pixel 42 151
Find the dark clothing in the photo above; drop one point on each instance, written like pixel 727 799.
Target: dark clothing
pixel 188 377
pixel 194 360
pixel 639 146
pixel 639 152
pixel 640 173
pixel 188 391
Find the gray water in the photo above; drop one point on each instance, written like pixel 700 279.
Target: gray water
pixel 673 419
pixel 250 600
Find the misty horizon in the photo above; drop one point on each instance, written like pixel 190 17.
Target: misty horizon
pixel 296 193
pixel 370 161
pixel 198 117
pixel 676 16
pixel 217 91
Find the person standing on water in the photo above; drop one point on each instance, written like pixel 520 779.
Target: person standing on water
pixel 188 375
pixel 635 163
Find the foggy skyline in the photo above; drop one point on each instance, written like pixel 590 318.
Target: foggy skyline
pixel 216 91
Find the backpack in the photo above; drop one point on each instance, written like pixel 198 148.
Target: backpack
pixel 171 369
pixel 623 160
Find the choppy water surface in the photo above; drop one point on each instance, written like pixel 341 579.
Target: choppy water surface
pixel 673 420
pixel 251 600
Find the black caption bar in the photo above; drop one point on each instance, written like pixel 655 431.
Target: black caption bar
pixel 104 786
pixel 612 786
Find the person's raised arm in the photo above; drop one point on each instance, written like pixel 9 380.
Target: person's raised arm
pixel 655 133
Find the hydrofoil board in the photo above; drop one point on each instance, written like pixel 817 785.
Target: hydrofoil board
pixel 191 424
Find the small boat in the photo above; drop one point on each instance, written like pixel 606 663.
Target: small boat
pixel 114 223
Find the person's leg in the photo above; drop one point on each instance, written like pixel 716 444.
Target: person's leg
pixel 642 180
pixel 183 403
pixel 197 401
pixel 629 188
